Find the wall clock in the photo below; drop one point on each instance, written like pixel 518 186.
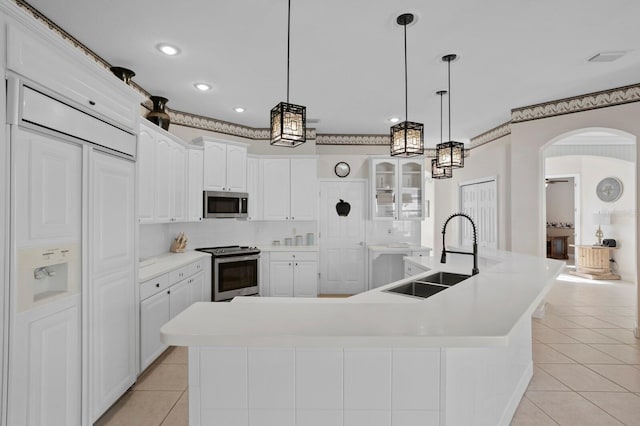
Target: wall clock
pixel 609 189
pixel 342 169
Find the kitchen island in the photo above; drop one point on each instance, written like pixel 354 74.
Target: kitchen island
pixel 460 357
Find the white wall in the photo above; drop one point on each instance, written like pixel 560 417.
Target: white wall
pixel 492 159
pixel 591 171
pixel 156 239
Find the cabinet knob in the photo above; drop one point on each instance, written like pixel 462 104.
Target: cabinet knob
pixel 296 263
pixel 289 263
pixel 286 217
pixel 92 103
pixel 293 255
pixel 168 291
pixel 293 218
pixel 158 285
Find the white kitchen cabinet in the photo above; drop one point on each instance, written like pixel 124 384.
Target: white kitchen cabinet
pixel 304 189
pixel 275 189
pixel 162 188
pixel 289 188
pixel 225 165
pixel 281 278
pixel 397 189
pixel 254 185
pixel 164 297
pixel 154 313
pixel 305 278
pixel 111 294
pixel 196 289
pixel 146 176
pixel 178 182
pixel 163 183
pixel 179 298
pixel 195 175
pixel 293 274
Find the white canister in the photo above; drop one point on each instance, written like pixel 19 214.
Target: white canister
pixel 298 240
pixel 287 241
pixel 310 239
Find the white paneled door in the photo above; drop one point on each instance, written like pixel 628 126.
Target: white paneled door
pixel 342 238
pixel 112 291
pixel 480 201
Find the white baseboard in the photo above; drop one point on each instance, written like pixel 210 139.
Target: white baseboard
pixel 540 310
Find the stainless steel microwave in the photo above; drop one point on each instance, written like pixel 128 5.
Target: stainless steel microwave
pixel 218 204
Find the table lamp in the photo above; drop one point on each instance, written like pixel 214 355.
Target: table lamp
pixel 601 219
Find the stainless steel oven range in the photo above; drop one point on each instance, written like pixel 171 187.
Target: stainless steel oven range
pixel 234 271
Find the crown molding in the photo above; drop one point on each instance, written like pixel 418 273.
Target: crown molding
pixel 491 135
pixel 602 99
pixel 595 100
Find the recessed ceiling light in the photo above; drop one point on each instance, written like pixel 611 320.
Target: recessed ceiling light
pixel 606 56
pixel 239 109
pixel 394 119
pixel 168 49
pixel 202 86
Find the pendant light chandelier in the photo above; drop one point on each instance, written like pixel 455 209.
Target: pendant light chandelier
pixel 407 138
pixel 288 121
pixel 451 153
pixel 440 172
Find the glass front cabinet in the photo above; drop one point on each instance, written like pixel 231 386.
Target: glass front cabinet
pixel 397 188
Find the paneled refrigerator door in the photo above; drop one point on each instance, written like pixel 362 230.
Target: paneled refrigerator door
pixel 112 281
pixel 44 385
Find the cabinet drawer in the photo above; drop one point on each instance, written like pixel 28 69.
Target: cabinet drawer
pixel 195 267
pixel 179 274
pixel 151 287
pixel 294 255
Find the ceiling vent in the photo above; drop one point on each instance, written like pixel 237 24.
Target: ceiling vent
pixel 606 56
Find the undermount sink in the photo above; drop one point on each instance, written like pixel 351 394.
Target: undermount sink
pixel 445 278
pixel 418 289
pixel 429 285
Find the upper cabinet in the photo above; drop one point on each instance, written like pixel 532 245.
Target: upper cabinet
pixel 225 165
pixel 164 189
pixel 195 175
pixel 254 178
pixel 397 189
pixel 289 188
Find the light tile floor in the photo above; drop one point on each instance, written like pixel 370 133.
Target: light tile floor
pixel 586 366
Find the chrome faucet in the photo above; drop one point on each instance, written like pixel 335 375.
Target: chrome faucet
pixel 443 257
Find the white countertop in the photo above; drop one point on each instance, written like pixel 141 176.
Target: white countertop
pixel 287 248
pixel 478 312
pixel 155 266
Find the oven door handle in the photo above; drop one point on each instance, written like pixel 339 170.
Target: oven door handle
pixel 231 259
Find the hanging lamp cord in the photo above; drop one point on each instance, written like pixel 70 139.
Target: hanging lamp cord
pixel 406 84
pixel 441 94
pixel 449 93
pixel 288 44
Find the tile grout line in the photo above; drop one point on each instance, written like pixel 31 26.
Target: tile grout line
pixel 172 407
pixel 540 408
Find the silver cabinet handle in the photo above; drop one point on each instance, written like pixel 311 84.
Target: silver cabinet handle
pixel 289 263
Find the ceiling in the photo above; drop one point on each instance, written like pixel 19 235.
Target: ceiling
pixel 347 55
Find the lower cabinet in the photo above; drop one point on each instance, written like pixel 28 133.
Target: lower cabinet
pixel 293 274
pixel 161 300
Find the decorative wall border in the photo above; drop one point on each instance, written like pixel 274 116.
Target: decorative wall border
pixel 595 100
pixel 491 135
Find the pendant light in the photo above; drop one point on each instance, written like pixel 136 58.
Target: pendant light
pixel 440 172
pixel 288 121
pixel 407 138
pixel 451 153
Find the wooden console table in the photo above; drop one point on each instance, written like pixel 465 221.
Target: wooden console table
pixel 557 246
pixel 593 262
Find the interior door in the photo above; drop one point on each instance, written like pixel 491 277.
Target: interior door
pixel 479 200
pixel 342 238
